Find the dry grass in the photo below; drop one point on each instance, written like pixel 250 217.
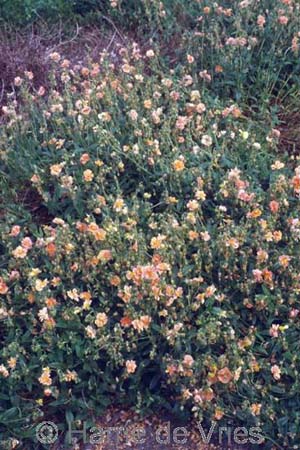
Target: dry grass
pixel 29 50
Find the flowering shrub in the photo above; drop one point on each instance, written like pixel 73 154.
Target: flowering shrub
pixel 167 272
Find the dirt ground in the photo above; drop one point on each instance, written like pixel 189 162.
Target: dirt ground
pixel 123 430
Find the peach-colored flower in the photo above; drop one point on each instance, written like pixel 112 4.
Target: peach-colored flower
pixel 188 360
pixel 181 122
pixel 15 230
pixel 283 20
pixel 261 20
pixel 284 260
pixel 27 243
pixel 224 375
pixel 19 252
pixel 296 183
pixel 206 140
pixel 55 56
pixel 115 280
pixel 45 378
pixel 56 169
pixel 142 323
pixel 104 255
pixel 276 372
pixel 98 233
pixel 40 284
pixel 150 53
pixel 157 241
pixel 88 175
pixel 274 206
pixel 130 366
pixel 18 81
pixel 101 320
pixel 3 371
pixel 133 115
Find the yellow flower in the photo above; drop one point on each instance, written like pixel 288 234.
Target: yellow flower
pixel 40 284
pixel 172 200
pixel 70 375
pixel 34 272
pixel 157 242
pixel 119 204
pixel 12 362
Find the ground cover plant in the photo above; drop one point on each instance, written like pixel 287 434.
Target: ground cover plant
pixel 150 227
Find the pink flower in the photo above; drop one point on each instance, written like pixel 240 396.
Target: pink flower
pixel 274 330
pixel 283 20
pixel 274 206
pixel 261 21
pixel 257 275
pixel 27 243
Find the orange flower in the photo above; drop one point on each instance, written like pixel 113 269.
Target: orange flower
pixel 51 249
pixel 3 287
pixel 98 233
pixel 126 321
pixel 115 280
pixel 225 375
pixel 255 213
pixel 296 183
pixel 51 302
pixel 255 408
pixel 178 165
pixel 218 69
pixel 267 276
pixel 31 297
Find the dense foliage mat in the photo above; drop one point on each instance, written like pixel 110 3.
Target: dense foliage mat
pixel 158 262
